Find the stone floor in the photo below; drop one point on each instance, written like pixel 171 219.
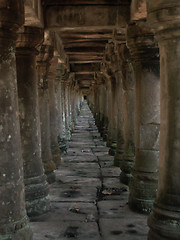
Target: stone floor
pixel 87 199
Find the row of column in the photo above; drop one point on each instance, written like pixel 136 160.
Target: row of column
pixel 145 84
pixel 38 107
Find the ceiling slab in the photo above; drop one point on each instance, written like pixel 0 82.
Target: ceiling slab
pixel 83 16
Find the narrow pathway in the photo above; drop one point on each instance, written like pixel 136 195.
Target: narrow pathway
pixel 88 201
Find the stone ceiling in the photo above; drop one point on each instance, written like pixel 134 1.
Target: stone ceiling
pixel 82 30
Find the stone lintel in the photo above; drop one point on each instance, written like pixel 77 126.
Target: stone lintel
pixel 72 17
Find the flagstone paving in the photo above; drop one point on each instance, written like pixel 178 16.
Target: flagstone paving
pixel 87 200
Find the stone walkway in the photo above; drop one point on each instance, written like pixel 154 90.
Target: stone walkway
pixel 88 201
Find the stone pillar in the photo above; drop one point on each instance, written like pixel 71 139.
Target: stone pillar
pixel 118 158
pixel 145 54
pixel 110 68
pixel 47 158
pixel 67 110
pixel 109 111
pixel 164 222
pixel 101 104
pixel 128 156
pixel 36 188
pixel 105 125
pixel 53 124
pixel 97 102
pixel 60 106
pixel 13 218
pixel 103 108
pixel 113 114
pixel 59 113
pixel 63 109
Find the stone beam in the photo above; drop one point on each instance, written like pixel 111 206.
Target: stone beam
pixel 87 67
pixel 84 2
pixel 85 35
pixel 85 44
pixel 84 50
pixel 138 10
pixel 86 17
pixel 84 58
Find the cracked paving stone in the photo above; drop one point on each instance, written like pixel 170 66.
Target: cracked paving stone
pixel 79 159
pixel 111 172
pixel 125 229
pixel 117 209
pixel 73 193
pixel 64 230
pixel 70 211
pixel 110 182
pixel 81 181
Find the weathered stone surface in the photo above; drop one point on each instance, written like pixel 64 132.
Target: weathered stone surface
pixel 70 211
pixel 126 142
pixel 13 218
pixel 163 16
pixel 123 229
pixel 110 172
pixel 52 106
pixel 78 202
pixel 86 16
pixel 65 230
pixel 145 54
pixel 43 59
pixel 36 188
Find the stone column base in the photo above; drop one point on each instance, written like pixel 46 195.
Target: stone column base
pixel 37 198
pixel 112 150
pixel 17 231
pixel 142 192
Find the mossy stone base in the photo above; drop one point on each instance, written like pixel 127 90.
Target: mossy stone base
pixel 51 177
pixel 164 223
pixel 142 195
pixel 125 177
pixel 23 233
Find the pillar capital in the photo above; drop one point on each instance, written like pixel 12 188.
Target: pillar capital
pixel 29 38
pixel 141 43
pixel 163 16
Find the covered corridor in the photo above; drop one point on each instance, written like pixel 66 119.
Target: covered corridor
pixel 89 119
pixel 87 200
